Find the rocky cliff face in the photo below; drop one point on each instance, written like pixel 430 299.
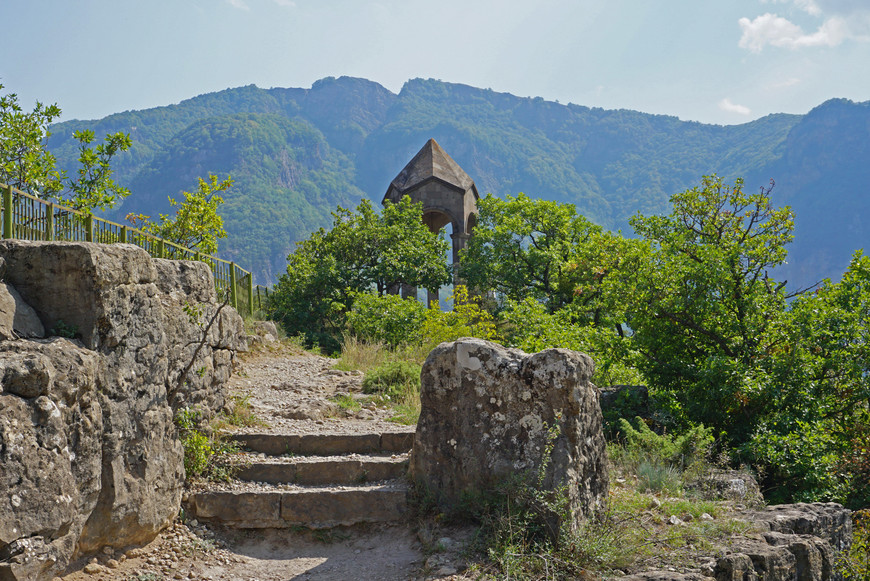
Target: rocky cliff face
pixel 88 448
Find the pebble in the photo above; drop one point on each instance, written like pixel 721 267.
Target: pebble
pixel 706 516
pixel 93 568
pixel 112 564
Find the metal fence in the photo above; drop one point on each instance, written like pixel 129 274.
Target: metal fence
pixel 26 217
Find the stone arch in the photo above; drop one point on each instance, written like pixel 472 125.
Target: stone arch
pixel 447 193
pixel 471 222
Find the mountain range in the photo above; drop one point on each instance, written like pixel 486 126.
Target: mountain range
pixel 295 154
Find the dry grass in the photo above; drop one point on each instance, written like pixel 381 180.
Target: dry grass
pixel 370 357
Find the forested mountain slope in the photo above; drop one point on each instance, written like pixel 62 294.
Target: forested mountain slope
pixel 297 153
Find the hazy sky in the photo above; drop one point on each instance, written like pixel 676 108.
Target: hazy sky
pixel 715 61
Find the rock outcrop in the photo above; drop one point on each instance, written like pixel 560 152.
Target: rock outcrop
pixel 89 450
pixel 489 413
pixel 797 542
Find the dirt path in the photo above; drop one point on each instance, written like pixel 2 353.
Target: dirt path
pixel 292 393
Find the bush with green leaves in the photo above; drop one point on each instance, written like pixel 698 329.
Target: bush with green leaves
pixel 26 164
pixel 854 564
pixel 528 325
pixel 388 319
pixel 204 456
pixel 678 451
pixel 466 319
pixel 393 379
pixel 364 251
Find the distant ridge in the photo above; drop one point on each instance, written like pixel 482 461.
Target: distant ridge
pixel 297 153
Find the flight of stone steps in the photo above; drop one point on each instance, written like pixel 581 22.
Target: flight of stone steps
pixel 312 480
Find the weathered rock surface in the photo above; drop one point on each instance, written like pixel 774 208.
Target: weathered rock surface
pixel 736 485
pixel 801 544
pixel 17 318
pixel 486 415
pixel 50 452
pixel 827 520
pixel 93 437
pixel 202 336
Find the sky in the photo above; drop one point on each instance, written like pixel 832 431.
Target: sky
pixel 713 61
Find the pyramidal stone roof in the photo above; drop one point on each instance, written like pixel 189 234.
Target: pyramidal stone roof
pixel 432 162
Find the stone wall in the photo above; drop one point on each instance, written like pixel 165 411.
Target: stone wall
pixel 88 446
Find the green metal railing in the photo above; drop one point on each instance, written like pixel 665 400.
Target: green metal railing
pixel 26 217
pixel 261 297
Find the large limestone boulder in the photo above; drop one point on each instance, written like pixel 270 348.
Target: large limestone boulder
pixel 486 415
pixel 94 415
pixel 50 452
pixel 108 294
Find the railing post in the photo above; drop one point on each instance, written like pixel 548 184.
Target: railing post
pixel 234 297
pixel 7 212
pixel 158 250
pixel 123 236
pixel 89 228
pixel 251 294
pixel 49 222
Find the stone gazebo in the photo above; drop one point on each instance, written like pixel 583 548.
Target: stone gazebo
pixel 448 194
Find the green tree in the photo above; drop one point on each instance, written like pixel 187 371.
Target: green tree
pixel 196 223
pixel 560 280
pixel 24 161
pixel 363 252
pixel 815 441
pixel 26 164
pixel 524 248
pixel 94 187
pixel 707 316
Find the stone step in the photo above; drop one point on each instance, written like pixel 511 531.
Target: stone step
pixel 315 470
pixel 326 444
pixel 310 507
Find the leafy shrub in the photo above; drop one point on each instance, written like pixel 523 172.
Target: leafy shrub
pixel 530 327
pixel 854 565
pixel 799 461
pixel 393 379
pixel 388 319
pixel 467 319
pixel 204 456
pixel 677 451
pixel 62 329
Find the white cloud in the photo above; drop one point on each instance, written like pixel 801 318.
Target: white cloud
pixel 778 31
pixel 240 4
pixel 726 105
pixel 285 3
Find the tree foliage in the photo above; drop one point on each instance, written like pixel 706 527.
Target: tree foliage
pixel 94 187
pixel 694 310
pixel 559 280
pixel 706 313
pixel 26 163
pixel 363 252
pixel 196 223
